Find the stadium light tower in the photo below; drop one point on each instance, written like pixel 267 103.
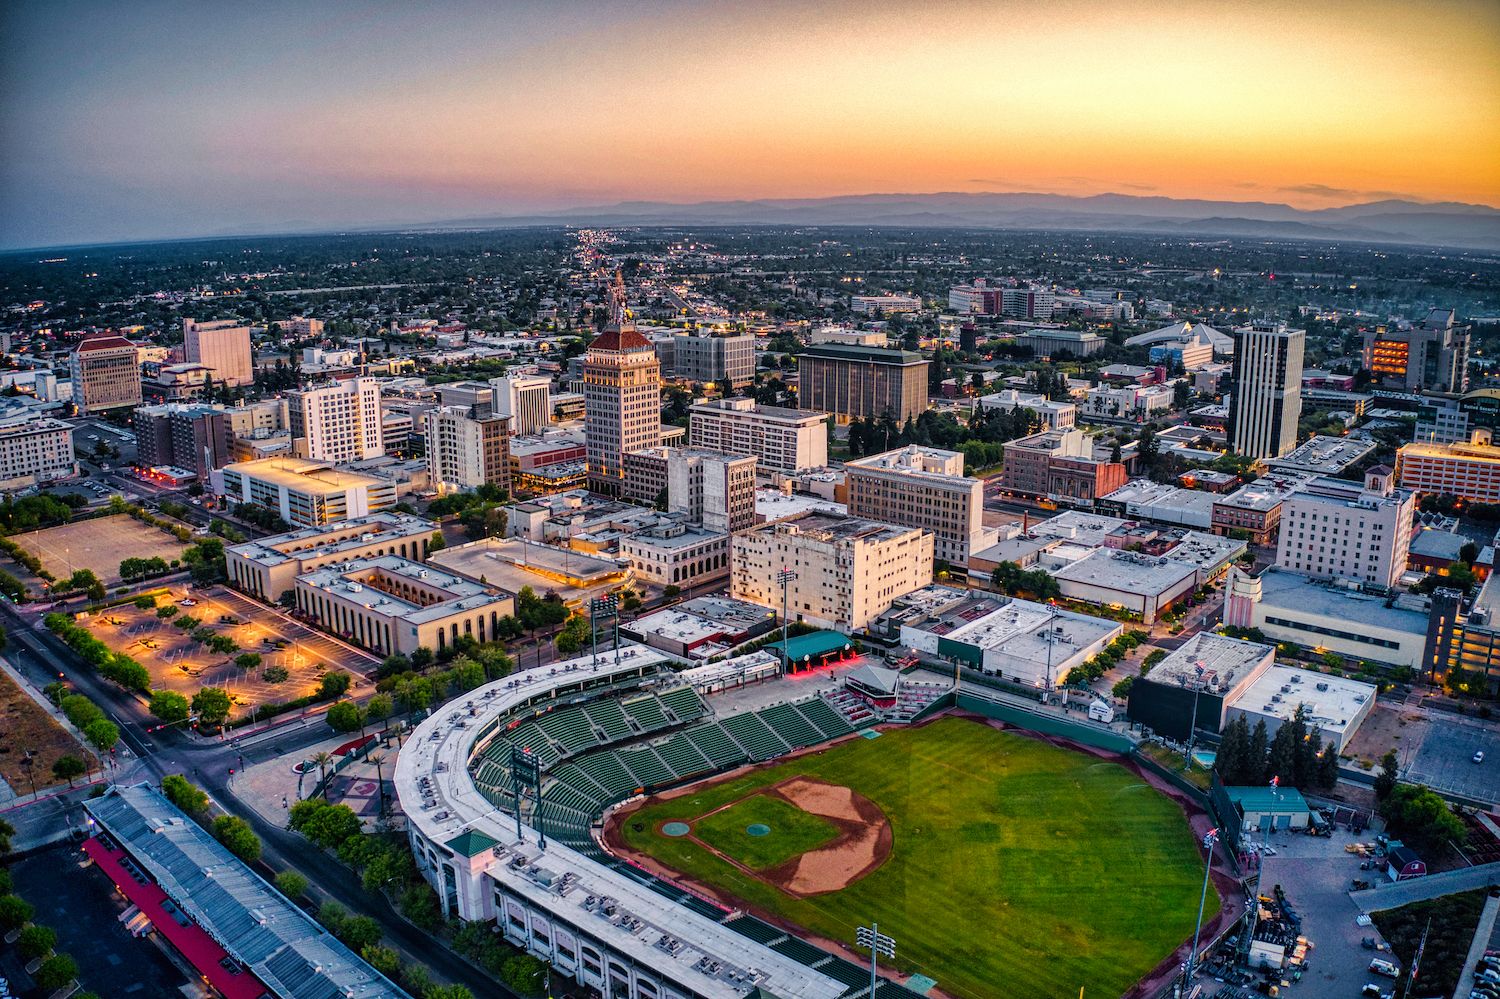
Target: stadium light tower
pixel 878 943
pixel 785 577
pixel 1208 863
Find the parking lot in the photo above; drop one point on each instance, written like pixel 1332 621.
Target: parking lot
pixel 1444 758
pixel 178 662
pixel 100 544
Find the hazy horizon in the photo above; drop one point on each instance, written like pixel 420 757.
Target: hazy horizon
pixel 164 120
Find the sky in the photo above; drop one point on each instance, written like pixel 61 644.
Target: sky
pixel 138 120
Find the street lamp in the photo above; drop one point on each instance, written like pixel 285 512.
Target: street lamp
pixel 878 943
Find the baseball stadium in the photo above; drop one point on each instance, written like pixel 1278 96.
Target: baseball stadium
pixel 724 832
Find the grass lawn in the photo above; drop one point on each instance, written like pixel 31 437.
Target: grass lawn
pixel 1019 869
pixel 793 831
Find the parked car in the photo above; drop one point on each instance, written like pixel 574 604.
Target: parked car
pixel 1479 756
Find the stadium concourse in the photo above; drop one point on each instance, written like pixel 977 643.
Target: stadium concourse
pixel 599 732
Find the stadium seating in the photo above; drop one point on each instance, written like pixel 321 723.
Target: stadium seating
pixel 787 722
pixel 755 736
pixel 685 703
pixel 648 768
pixel 530 736
pixel 683 757
pixel 609 716
pixel 605 769
pixel 646 711
pixel 712 741
pixel 824 718
pixel 570 728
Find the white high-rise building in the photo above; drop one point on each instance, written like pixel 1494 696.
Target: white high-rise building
pixel 782 440
pixel 527 400
pixel 712 489
pixel 337 423
pixel 1266 399
pixel 467 447
pixel 223 345
pixel 1337 529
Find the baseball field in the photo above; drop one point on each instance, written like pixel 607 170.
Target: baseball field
pixel 1001 865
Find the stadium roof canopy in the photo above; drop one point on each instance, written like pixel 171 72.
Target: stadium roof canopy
pixel 818 643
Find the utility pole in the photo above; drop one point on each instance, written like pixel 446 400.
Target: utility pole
pixel 878 943
pixel 785 577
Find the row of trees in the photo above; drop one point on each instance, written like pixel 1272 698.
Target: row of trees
pixel 1294 756
pixel 114 666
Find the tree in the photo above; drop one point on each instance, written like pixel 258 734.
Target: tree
pixel 1121 689
pixel 103 734
pixel 1422 818
pixel 15 912
pixel 36 941
pixel 182 793
pixel 359 932
pixel 211 705
pixel 334 685
pixel 523 974
pixel 322 759
pixel 1255 759
pixel 345 716
pixel 292 884
pixel 382 959
pixel 671 591
pixel 169 705
pixel 56 972
pixel 237 836
pixel 6 832
pixel 436 544
pixel 1234 752
pixel 1181 393
pixel 1385 781
pixel 68 768
pixel 446 992
pixel 1328 768
pixel 378 708
pixel 421 656
pixel 1468 553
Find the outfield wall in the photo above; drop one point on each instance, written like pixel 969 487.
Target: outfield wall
pixel 1047 723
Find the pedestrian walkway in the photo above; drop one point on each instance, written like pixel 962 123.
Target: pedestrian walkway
pixel 1481 941
pixel 272 787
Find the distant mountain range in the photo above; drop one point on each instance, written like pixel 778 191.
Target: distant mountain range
pixel 1441 224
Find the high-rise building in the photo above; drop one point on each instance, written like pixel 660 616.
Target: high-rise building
pixel 782 440
pixel 467 394
pixel 862 382
pixel 106 374
pixel 1431 356
pixel 1469 470
pixel 33 449
pixel 1335 529
pixel 711 359
pixel 339 422
pixel 194 437
pixel 1266 399
pixel 223 345
pixel 467 447
pixel 622 400
pixel 1027 303
pixel 916 486
pixel 716 491
pixel 527 400
pixel 846 570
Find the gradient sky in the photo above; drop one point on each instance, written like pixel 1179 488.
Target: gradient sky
pixel 143 119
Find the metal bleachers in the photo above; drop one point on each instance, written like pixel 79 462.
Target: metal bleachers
pixel 647 712
pixel 685 703
pixel 683 757
pixel 712 741
pixel 757 738
pixel 787 722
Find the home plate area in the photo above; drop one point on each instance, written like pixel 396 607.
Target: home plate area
pixel 803 836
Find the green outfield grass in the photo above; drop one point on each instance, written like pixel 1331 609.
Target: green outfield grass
pixel 1019 869
pixel 793 831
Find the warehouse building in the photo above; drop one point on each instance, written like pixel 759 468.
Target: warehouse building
pixel 1133 581
pixel 1192 687
pixel 1335 706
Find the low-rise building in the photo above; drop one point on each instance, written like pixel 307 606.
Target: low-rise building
pixel 675 553
pixel 1053 414
pixel 34 449
pixel 701 628
pixel 310 493
pixel 884 305
pixel 1194 685
pixel 1132 581
pixel 845 571
pixel 268 568
pixel 782 440
pixel 1059 465
pixel 1335 706
pixel 1336 529
pixel 1058 343
pixel 1143 499
pixel 1469 471
pixel 389 604
pixel 1255 508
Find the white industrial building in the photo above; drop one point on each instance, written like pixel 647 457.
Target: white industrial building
pixel 1336 706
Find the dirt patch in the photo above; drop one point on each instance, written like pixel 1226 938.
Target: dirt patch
pixel 864 841
pixel 26 725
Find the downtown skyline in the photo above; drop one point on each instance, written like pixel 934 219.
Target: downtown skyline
pixel 162 120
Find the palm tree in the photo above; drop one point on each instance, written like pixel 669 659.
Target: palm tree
pixel 378 759
pixel 322 760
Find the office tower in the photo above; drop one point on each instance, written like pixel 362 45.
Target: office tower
pixel 526 399
pixel 339 422
pixel 1431 356
pixel 924 487
pixel 194 437
pixel 782 440
pixel 223 345
pixel 33 449
pixel 1337 529
pixel 106 374
pixel 1266 398
pixel 304 492
pixel 467 447
pixel 862 382
pixel 714 490
pixel 622 399
pixel 712 359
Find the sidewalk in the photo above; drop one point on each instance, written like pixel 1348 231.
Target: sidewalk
pixel 271 788
pixel 1477 947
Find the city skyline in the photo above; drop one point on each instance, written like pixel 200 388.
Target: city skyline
pixel 145 122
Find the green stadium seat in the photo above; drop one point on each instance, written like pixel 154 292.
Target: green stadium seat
pixel 825 718
pixel 609 716
pixel 755 736
pixel 683 757
pixel 647 712
pixel 787 722
pixel 648 768
pixel 712 741
pixel 605 769
pixel 685 703
pixel 570 727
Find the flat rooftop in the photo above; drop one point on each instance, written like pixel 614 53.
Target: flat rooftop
pixel 507 561
pixel 1132 572
pixel 773 504
pixel 1212 663
pixel 780 413
pixel 1076 525
pixel 1333 703
pixel 349 581
pixel 1304 596
pixel 1206 551
pixel 1265 493
pixel 302 475
pixel 834 527
pixel 305 543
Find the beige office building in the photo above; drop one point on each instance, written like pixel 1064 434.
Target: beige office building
pixel 269 567
pixel 302 491
pixel 782 440
pixel 622 403
pixel 106 374
pixel 1266 399
pixel 923 487
pixel 862 382
pixel 526 399
pixel 339 422
pixel 34 450
pixel 390 604
pixel 466 450
pixel 848 570
pixel 224 346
